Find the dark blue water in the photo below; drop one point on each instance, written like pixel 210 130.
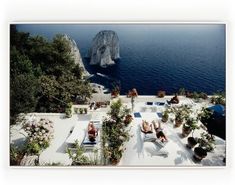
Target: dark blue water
pixel 154 57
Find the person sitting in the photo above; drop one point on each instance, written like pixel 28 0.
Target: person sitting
pixel 92 105
pixel 146 127
pixel 159 132
pixel 92 132
pixel 174 100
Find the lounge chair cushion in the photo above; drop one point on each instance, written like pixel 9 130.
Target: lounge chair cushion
pixel 137 115
pixel 160 143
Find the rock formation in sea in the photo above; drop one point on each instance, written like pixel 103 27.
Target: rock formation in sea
pixel 105 49
pixel 76 53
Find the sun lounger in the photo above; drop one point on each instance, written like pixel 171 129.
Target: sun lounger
pixel 149 103
pixel 159 103
pixel 77 134
pixel 86 143
pixel 150 137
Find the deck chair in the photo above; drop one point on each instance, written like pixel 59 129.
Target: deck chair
pixel 86 143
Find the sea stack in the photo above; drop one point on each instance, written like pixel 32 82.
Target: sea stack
pixel 105 49
pixel 76 54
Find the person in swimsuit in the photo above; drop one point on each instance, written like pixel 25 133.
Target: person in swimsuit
pixel 174 100
pixel 159 132
pixel 146 127
pixel 92 132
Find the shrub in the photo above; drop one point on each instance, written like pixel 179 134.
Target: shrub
pixel 219 98
pixel 207 142
pixel 76 110
pixel 81 110
pixel 115 91
pixel 39 135
pixel 79 158
pixel 114 132
pixel 196 95
pixel 181 92
pixel 16 155
pixel 68 110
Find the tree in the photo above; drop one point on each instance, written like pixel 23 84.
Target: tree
pixel 44 76
pixel 23 94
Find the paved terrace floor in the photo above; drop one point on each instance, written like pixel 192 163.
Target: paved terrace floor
pixel 138 152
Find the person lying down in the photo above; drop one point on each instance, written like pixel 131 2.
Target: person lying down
pixel 155 139
pixel 148 129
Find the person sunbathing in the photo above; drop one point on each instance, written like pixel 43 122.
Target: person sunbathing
pixel 174 100
pixel 146 127
pixel 159 132
pixel 92 132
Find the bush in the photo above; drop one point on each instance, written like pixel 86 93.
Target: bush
pixel 33 148
pixel 16 155
pixel 68 110
pixel 39 135
pixel 79 158
pixel 81 110
pixel 219 98
pixel 76 110
pixel 181 92
pixel 114 132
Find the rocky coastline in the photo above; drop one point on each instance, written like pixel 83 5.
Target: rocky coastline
pixel 105 49
pixel 76 53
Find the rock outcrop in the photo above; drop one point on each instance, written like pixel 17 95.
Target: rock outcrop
pixel 76 53
pixel 104 49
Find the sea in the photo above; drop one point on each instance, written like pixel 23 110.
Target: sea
pixel 153 56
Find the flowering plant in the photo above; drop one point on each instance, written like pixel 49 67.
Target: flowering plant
pixel 115 132
pixel 39 134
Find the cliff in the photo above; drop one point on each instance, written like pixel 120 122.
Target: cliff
pixel 104 49
pixel 76 53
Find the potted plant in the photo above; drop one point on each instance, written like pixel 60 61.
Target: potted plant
pixel 203 95
pixel 128 119
pixel 68 110
pixel 207 141
pixel 115 132
pixel 218 99
pixel 181 113
pixel 165 116
pixel 190 125
pixel 161 94
pixel 81 110
pixel 75 110
pixel 116 157
pixel 182 92
pixel 115 92
pixel 85 110
pixel 199 153
pixel 204 114
pixel 191 142
pixel 206 144
pixel 179 118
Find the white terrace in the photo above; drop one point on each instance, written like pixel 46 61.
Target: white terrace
pixel 138 152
